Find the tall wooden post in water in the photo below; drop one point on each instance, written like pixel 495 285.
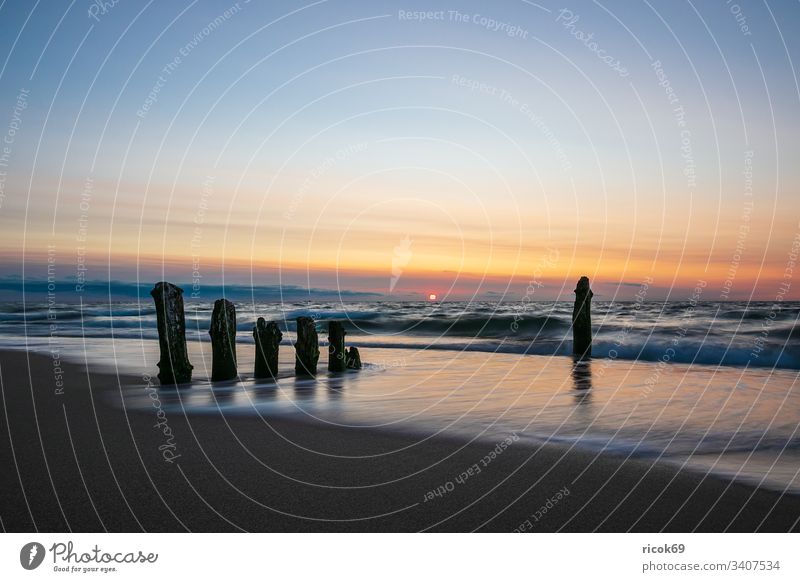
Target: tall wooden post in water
pixel 306 347
pixel 582 320
pixel 173 365
pixel 223 340
pixel 268 339
pixel 336 356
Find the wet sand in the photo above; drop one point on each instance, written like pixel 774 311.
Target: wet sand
pixel 80 461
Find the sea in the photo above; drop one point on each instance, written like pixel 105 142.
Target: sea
pixel 711 387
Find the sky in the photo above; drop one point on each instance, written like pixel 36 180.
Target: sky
pixel 397 149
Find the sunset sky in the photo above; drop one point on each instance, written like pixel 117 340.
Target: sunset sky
pixel 350 145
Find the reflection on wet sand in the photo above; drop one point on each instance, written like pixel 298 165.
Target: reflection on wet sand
pixel 582 380
pixel 705 412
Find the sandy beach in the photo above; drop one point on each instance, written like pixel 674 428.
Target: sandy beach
pixel 81 461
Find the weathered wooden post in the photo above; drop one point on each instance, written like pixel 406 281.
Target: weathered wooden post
pixel 582 320
pixel 306 347
pixel 268 339
pixel 353 358
pixel 173 365
pixel 336 354
pixel 223 340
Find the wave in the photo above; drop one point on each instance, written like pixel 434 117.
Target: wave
pixel 729 335
pixel 705 354
pixel 646 445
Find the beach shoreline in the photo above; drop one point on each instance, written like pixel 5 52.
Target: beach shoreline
pixel 75 459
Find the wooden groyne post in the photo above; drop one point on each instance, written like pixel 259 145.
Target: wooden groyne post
pixel 353 358
pixel 173 365
pixel 223 341
pixel 306 347
pixel 336 355
pixel 582 320
pixel 268 340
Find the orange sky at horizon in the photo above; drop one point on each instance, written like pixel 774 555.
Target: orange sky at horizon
pixel 450 161
pixel 472 248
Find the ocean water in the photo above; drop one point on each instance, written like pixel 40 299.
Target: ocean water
pixel 765 335
pixel 711 387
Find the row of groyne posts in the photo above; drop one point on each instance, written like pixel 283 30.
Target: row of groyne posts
pixel 174 366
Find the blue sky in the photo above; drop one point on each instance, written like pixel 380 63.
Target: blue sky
pixel 484 147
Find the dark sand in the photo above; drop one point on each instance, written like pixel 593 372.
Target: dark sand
pixel 80 462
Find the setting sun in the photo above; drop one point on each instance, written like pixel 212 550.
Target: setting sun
pixel 432 297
